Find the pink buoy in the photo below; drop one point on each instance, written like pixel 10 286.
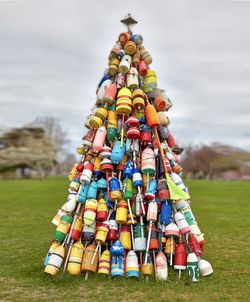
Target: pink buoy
pixel 99 139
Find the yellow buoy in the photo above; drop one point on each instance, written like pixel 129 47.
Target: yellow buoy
pixel 121 212
pixel 104 264
pixel 75 259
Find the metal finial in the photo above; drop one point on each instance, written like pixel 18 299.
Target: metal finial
pixel 129 21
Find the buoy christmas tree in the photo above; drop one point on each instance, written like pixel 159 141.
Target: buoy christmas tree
pixel 128 211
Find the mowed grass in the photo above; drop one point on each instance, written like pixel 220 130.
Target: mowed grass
pixel 27 206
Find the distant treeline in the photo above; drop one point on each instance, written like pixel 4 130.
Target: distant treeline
pixel 216 161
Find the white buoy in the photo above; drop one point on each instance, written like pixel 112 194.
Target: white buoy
pixel 205 268
pixel 181 223
pixel 132 265
pixel 161 267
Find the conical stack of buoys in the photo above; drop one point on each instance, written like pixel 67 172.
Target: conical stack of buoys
pixel 128 212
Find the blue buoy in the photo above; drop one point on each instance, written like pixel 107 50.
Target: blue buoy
pixel 117 152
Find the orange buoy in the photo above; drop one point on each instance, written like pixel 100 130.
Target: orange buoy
pixel 87 264
pixel 152 116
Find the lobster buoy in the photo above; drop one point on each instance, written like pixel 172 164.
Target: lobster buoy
pixel 125 64
pixel 163 118
pixel 166 212
pixel 151 78
pixel 124 102
pixel 55 261
pixel 146 134
pixel 88 263
pixel 101 184
pixel 180 257
pixel 128 188
pixel 197 232
pixel 113 229
pixel 148 161
pixel 163 190
pixel 140 237
pixel 192 267
pixel 90 212
pixel 124 38
pixel 132 78
pixel 102 113
pixel 120 54
pixel 147 268
pixel 172 230
pixel 163 133
pixel 170 140
pixel 117 266
pixel 102 232
pixel 75 184
pixel 117 261
pixel 136 58
pixel 143 68
pixel 117 152
pixel 182 223
pixel 63 228
pixel 99 139
pixel 95 122
pixel 151 189
pixel 161 267
pixel 104 263
pixel 87 173
pixel 137 178
pixel 160 103
pixel 138 99
pixel 146 57
pixel 82 194
pixel 92 190
pixel 121 212
pixel 75 259
pixel 73 172
pixel 154 242
pixel 205 268
pixel 194 245
pixel 130 48
pixel 132 146
pixel 170 247
pixel 110 94
pixel 115 189
pixel 105 152
pixel 132 266
pixel 102 210
pixel 114 66
pixel 152 116
pixel 125 237
pixel 88 232
pixel 77 229
pixel 51 250
pixel 128 169
pixel 138 39
pixel 70 204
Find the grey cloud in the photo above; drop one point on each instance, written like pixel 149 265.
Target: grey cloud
pixel 53 54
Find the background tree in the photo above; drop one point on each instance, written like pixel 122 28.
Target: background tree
pixel 60 140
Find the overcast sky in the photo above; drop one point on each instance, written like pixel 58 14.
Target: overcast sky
pixel 53 54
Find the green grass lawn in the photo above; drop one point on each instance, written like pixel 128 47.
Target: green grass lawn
pixel 221 208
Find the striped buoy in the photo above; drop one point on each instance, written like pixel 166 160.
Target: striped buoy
pixel 55 261
pixel 132 266
pixel 104 264
pixel 63 228
pixel 75 259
